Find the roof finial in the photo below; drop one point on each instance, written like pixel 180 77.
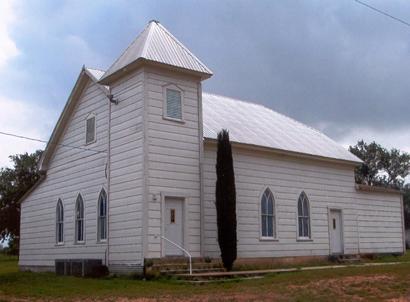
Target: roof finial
pixel 153 20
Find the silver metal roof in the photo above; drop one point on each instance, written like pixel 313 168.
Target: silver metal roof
pixel 157 44
pixel 253 124
pixel 96 73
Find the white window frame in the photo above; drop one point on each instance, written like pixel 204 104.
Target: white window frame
pixel 164 109
pixel 274 236
pixel 309 237
pixel 59 222
pixel 77 220
pixel 99 239
pixel 90 116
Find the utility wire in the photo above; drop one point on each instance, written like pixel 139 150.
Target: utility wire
pixel 383 13
pixel 45 142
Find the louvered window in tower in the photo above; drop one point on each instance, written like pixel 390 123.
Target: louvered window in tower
pixel 173 104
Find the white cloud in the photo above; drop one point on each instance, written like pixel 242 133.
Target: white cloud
pixel 84 53
pixel 8 48
pixel 23 119
pixel 398 138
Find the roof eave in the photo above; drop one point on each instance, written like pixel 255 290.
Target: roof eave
pixel 42 177
pixel 59 127
pixel 290 153
pixel 379 189
pixel 139 62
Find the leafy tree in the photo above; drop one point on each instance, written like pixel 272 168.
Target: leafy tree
pixel 226 200
pixel 380 166
pixel 396 166
pixel 367 172
pixel 14 183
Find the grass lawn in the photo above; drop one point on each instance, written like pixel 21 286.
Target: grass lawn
pixel 379 283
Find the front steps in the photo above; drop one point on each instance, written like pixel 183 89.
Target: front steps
pixel 180 266
pixel 345 259
pixel 206 269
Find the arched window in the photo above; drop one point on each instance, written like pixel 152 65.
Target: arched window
pixel 59 222
pixel 102 216
pixel 303 216
pixel 79 219
pixel 268 223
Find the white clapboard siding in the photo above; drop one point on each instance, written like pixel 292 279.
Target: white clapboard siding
pixel 127 174
pixel 372 221
pixel 173 158
pixel 70 172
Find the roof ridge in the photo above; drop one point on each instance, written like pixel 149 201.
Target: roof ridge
pixel 270 109
pixel 98 69
pixel 148 38
pixel 183 46
pixel 128 47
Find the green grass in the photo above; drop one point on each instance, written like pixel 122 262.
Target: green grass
pixel 368 283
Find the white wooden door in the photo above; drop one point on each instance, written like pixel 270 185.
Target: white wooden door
pixel 174 225
pixel 336 235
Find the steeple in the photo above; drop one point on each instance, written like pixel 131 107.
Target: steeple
pixel 156 45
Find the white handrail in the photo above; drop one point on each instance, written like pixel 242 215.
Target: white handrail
pixel 182 249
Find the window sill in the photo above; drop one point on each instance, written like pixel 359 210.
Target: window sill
pixel 79 243
pixel 59 244
pixel 304 240
pixel 268 239
pixel 90 143
pixel 102 241
pixel 181 121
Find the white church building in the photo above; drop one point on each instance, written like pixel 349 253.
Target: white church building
pixel 131 164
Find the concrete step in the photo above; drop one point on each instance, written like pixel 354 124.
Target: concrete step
pixel 349 259
pixel 180 265
pixel 223 275
pixel 184 265
pixel 194 271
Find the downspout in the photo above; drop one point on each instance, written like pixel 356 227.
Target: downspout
pixel 109 175
pixel 201 172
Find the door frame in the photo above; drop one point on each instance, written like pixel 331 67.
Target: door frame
pixel 183 199
pixel 340 210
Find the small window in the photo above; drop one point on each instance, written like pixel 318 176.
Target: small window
pixel 102 216
pixel 303 217
pixel 79 220
pixel 173 104
pixel 172 218
pixel 59 222
pixel 268 223
pixel 90 130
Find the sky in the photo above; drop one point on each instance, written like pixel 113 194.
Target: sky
pixel 334 65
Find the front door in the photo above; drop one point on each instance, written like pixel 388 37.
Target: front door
pixel 174 225
pixel 336 235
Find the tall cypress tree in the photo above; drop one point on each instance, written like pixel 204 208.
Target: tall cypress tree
pixel 226 200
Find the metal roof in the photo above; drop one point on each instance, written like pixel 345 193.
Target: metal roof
pixel 157 44
pixel 96 73
pixel 253 124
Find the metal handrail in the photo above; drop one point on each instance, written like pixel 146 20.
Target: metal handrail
pixel 182 249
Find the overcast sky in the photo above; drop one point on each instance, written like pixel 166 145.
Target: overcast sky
pixel 334 65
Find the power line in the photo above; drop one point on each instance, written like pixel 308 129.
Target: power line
pixel 45 142
pixel 383 13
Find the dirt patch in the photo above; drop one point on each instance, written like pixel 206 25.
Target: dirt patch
pixel 353 288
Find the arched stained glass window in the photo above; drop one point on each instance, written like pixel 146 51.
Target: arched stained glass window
pixel 268 223
pixel 303 216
